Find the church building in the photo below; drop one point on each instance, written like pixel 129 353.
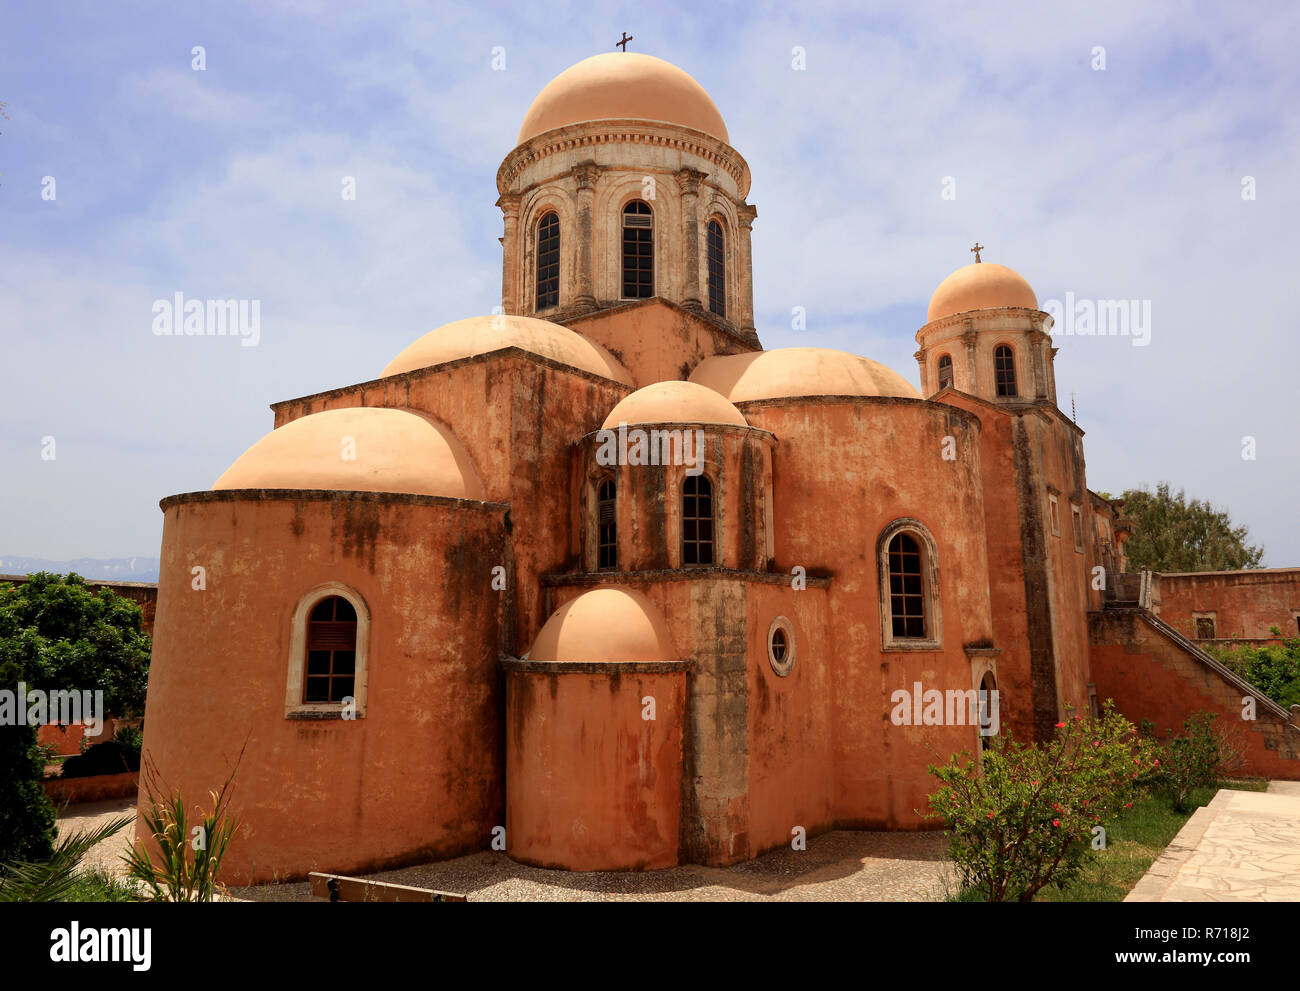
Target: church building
pixel 601 579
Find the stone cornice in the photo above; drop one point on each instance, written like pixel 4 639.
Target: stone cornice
pixel 969 316
pixel 327 495
pixel 598 132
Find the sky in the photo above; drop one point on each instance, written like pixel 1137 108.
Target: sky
pixel 1113 151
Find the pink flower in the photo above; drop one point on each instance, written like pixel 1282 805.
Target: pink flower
pixel 1128 805
pixel 1056 822
pixel 1060 725
pixel 990 815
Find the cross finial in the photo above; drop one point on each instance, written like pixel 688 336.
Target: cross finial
pixel 623 41
pixel 977 249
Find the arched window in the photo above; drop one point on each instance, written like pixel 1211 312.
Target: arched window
pixel 638 251
pixel 606 526
pixel 1004 371
pixel 327 654
pixel 989 718
pixel 945 371
pixel 909 587
pixel 331 651
pixel 717 270
pixel 697 520
pixel 548 262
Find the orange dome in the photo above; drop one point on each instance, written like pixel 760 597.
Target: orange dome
pixel 980 286
pixel 605 624
pixel 393 451
pixel 479 335
pixel 623 85
pixel 787 372
pixel 675 402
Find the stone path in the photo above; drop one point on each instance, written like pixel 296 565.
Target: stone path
pixel 837 866
pixel 89 815
pixel 1243 846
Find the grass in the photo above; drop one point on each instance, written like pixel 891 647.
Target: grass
pixel 99 886
pixel 1133 842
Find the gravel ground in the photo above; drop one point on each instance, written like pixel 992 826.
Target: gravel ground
pixel 89 815
pixel 837 866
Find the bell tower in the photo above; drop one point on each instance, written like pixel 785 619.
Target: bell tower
pixel 623 186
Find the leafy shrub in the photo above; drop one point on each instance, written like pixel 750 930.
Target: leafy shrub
pixel 109 757
pixel 56 879
pixel 130 738
pixel 26 812
pixel 1026 819
pixel 1272 668
pixel 1190 761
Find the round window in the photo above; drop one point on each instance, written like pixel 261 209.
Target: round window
pixel 781 646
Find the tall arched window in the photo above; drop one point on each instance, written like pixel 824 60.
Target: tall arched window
pixel 945 371
pixel 331 651
pixel 638 251
pixel 717 270
pixel 548 262
pixel 989 717
pixel 697 520
pixel 909 587
pixel 606 526
pixel 1004 371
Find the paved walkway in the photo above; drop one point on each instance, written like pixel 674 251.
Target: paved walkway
pixel 1243 846
pixel 106 854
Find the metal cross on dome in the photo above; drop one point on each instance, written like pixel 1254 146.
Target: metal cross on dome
pixel 625 39
pixel 977 249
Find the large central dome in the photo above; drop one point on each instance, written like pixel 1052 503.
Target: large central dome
pixel 623 85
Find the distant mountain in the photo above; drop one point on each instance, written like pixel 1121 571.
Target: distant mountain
pixel 115 569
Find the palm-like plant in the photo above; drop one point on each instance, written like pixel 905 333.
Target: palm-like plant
pixel 56 879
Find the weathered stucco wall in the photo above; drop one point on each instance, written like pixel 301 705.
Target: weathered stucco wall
pixel 420 775
pixel 1244 603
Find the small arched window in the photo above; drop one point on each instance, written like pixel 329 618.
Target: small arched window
pixel 548 262
pixel 607 526
pixel 988 709
pixel 945 371
pixel 331 651
pixel 909 587
pixel 1004 371
pixel 717 270
pixel 697 520
pixel 638 251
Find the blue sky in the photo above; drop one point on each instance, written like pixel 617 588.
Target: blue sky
pixel 1113 184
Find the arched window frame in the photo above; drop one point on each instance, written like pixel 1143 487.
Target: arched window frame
pixel 933 639
pixel 1015 372
pixel 598 522
pixel 715 542
pixel 623 213
pixel 294 706
pixel 554 296
pixel 939 370
pixel 716 268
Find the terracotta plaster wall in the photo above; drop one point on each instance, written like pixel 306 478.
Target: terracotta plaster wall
pixel 655 341
pixel 1152 677
pixel 518 417
pixel 420 775
pixel 1245 603
pixel 843 471
pixel 591 784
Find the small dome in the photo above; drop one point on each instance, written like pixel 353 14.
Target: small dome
pixel 479 335
pixel 623 85
pixel 605 624
pixel 395 451
pixel 980 286
pixel 675 402
pixel 787 372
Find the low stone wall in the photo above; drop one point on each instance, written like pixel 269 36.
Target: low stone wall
pixel 97 788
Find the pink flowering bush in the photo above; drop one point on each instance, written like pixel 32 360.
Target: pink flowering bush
pixel 1026 818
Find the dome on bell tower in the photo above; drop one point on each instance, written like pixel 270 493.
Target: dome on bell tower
pixel 623 86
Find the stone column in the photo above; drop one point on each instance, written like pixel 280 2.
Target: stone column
pixel 1038 345
pixel 1051 373
pixel 510 302
pixel 746 213
pixel 688 181
pixel 585 174
pixel 920 364
pixel 969 339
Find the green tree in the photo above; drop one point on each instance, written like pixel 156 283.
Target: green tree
pixel 1175 534
pixel 59 634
